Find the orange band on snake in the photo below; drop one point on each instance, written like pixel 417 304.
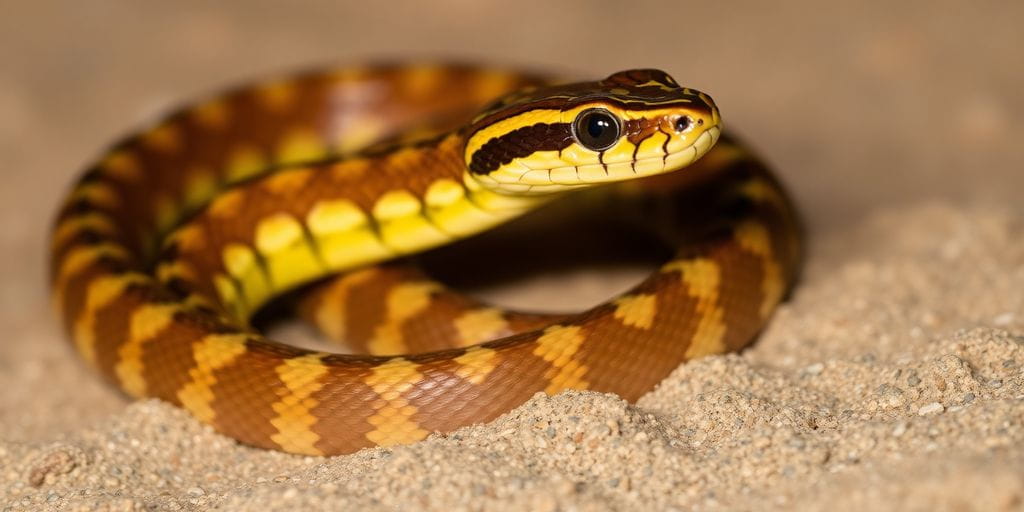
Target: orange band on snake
pixel 169 244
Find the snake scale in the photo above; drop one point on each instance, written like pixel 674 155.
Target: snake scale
pixel 178 234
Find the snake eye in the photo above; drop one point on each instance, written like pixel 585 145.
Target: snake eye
pixel 596 129
pixel 683 123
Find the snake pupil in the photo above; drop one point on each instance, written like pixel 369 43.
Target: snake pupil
pixel 596 129
pixel 596 126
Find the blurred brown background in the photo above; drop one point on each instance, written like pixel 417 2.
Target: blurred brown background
pixel 858 104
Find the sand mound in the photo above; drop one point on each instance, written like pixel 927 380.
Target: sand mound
pixel 891 380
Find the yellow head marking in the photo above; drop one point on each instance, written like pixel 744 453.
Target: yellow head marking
pixel 632 124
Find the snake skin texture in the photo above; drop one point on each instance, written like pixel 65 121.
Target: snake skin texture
pixel 178 234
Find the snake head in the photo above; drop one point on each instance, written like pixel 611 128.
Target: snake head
pixel 632 124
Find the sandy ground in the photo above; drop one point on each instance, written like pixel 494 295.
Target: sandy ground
pixel 892 380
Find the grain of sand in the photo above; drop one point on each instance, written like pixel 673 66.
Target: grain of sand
pixel 893 379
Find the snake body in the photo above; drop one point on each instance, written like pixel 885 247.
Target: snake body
pixel 170 242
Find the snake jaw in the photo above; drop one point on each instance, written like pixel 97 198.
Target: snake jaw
pixel 521 178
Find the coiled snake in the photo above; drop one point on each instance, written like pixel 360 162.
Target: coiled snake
pixel 178 234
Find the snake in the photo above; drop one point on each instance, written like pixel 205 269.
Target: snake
pixel 328 182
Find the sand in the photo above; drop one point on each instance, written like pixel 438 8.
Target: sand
pixel 892 380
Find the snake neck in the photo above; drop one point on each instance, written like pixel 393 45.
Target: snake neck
pixel 304 223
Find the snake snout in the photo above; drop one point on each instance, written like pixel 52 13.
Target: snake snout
pixel 703 113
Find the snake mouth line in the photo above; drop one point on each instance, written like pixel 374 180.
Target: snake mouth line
pixel 539 181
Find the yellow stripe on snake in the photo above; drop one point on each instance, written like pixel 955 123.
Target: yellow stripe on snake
pixel 169 244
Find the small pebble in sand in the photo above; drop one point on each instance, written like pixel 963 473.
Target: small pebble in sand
pixel 58 461
pixel 932 408
pixel 814 369
pixel 901 428
pixel 1003 319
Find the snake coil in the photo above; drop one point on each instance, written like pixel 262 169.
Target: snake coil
pixel 171 241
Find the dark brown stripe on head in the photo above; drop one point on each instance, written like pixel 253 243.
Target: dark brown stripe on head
pixel 595 98
pixel 636 130
pixel 519 143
